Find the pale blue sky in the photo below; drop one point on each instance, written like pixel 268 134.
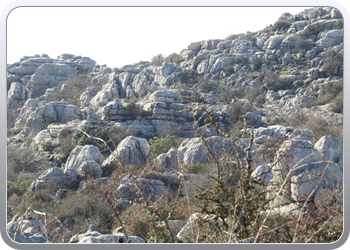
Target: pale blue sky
pixel 120 36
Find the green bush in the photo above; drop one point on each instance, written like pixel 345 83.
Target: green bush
pixel 113 136
pixel 158 60
pixel 281 24
pixel 160 146
pixel 18 188
pixel 332 59
pixel 276 82
pixel 303 44
pixel 333 89
pixel 206 86
pixel 196 168
pixel 77 86
pixel 238 133
pixel 337 104
pixel 227 93
pixel 338 25
pixel 188 77
pixel 174 58
pixel 313 29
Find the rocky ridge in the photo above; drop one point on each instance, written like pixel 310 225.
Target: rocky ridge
pixel 161 109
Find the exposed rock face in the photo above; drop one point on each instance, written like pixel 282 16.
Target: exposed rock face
pixel 294 154
pixel 151 188
pixel 35 115
pixel 329 38
pixel 309 179
pixel 52 176
pixel 50 75
pixel 240 63
pixel 330 147
pixel 85 159
pixel 191 226
pixel 131 151
pixel 29 232
pixel 93 236
pixel 303 135
pixel 194 150
pixel 17 95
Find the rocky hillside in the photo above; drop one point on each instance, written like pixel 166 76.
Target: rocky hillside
pixel 75 128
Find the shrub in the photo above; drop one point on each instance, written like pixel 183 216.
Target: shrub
pixel 332 60
pixel 163 145
pixel 158 60
pixel 207 85
pixel 337 104
pixel 174 58
pixel 241 209
pixel 18 188
pixel 113 135
pixel 188 77
pixel 258 62
pixel 281 24
pixel 252 94
pixel 320 127
pixel 235 118
pixel 22 159
pixel 313 29
pixel 238 133
pixel 77 86
pixel 276 82
pixel 233 36
pixel 333 89
pixel 338 25
pixel 227 93
pixel 303 44
pixel 195 168
pixel 66 145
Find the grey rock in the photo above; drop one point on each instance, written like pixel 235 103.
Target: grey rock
pixel 191 227
pixel 53 176
pixel 194 150
pixel 151 189
pixel 81 154
pixel 131 151
pixel 330 147
pixel 49 75
pixel 329 38
pixel 304 183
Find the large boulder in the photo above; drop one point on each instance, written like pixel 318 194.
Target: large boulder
pixel 296 155
pixel 330 147
pixel 303 134
pixel 304 183
pixel 81 154
pixel 195 151
pixel 31 231
pixel 131 151
pixel 85 159
pixel 209 221
pixel 275 132
pixel 329 38
pixel 52 176
pixel 151 188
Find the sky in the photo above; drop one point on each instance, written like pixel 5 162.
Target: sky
pixel 125 35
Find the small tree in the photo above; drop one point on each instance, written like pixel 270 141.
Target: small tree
pixel 158 60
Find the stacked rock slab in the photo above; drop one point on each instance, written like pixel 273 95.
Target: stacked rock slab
pixel 163 113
